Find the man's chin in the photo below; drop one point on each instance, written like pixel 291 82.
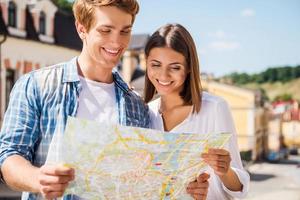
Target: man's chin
pixel 108 63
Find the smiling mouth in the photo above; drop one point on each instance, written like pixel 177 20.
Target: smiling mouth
pixel 112 52
pixel 164 83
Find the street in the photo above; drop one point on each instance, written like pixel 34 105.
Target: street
pixel 275 181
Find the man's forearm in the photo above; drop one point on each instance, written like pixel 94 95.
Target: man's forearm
pixel 20 174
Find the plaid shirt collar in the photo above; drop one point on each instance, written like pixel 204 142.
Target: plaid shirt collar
pixel 70 74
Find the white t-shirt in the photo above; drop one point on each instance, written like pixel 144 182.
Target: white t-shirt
pixel 214 116
pixel 97 101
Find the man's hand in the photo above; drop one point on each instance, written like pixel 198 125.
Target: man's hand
pixel 219 160
pixel 198 189
pixel 53 180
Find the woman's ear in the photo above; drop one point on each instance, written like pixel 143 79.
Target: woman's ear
pixel 188 71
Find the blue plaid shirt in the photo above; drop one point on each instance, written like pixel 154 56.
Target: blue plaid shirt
pixel 39 106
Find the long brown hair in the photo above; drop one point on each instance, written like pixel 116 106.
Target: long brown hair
pixel 176 37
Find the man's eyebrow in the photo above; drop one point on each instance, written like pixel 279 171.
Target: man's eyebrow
pixel 110 26
pixel 127 27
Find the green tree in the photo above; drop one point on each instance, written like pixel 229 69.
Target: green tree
pixel 65 5
pixel 283 97
pixel 282 74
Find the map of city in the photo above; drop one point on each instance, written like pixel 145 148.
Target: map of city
pixel 117 162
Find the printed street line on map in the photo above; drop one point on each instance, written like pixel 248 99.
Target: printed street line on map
pixel 117 162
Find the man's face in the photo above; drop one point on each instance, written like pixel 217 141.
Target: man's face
pixel 108 37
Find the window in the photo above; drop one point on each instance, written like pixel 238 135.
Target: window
pixel 12 14
pixel 42 22
pixel 10 81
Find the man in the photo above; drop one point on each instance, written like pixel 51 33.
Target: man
pixel 84 87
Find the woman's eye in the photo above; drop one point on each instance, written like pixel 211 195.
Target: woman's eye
pixel 155 65
pixel 175 68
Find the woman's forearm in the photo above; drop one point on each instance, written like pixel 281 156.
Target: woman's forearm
pixel 231 181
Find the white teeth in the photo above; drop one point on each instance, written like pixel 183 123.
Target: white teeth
pixel 112 51
pixel 164 83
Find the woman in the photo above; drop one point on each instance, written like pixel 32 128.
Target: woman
pixel 173 74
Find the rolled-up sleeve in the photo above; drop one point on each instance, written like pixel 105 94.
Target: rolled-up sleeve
pixel 20 129
pixel 224 123
pixel 244 179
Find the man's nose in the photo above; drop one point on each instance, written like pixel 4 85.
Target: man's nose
pixel 116 39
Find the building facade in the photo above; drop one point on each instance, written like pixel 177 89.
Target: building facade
pixel 250 118
pixel 39 34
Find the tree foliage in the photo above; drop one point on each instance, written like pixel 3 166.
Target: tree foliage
pixel 65 5
pixel 283 97
pixel 271 75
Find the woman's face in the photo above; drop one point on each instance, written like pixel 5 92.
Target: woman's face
pixel 166 70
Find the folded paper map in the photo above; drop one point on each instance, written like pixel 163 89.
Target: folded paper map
pixel 118 162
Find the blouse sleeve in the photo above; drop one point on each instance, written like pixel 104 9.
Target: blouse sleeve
pixel 224 123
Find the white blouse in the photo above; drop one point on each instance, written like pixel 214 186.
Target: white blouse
pixel 214 116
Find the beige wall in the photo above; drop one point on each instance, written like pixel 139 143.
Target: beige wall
pixel 37 52
pixel 129 63
pixel 249 119
pixel 291 133
pixel 21 51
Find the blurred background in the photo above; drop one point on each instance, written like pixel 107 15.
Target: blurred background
pixel 249 55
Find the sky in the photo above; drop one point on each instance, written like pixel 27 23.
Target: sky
pixel 231 35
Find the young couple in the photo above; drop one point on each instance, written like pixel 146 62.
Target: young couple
pixel 86 87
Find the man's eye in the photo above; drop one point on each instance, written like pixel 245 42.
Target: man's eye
pixel 126 31
pixel 105 30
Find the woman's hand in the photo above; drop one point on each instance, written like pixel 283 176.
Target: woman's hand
pixel 198 189
pixel 219 160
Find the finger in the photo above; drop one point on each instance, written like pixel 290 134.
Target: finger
pixel 54 188
pixel 218 151
pixel 217 163
pixel 48 180
pixel 57 170
pixel 216 157
pixel 200 191
pixel 203 177
pixel 199 197
pixel 192 185
pixel 220 170
pixel 196 185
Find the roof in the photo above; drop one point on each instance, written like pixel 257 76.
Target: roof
pixel 65 33
pixel 31 32
pixel 138 41
pixel 137 74
pixel 3 28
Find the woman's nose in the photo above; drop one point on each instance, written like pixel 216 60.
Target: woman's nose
pixel 164 73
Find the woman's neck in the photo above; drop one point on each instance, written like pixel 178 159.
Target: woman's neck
pixel 170 102
pixel 173 111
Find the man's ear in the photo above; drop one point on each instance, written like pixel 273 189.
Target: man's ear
pixel 81 30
